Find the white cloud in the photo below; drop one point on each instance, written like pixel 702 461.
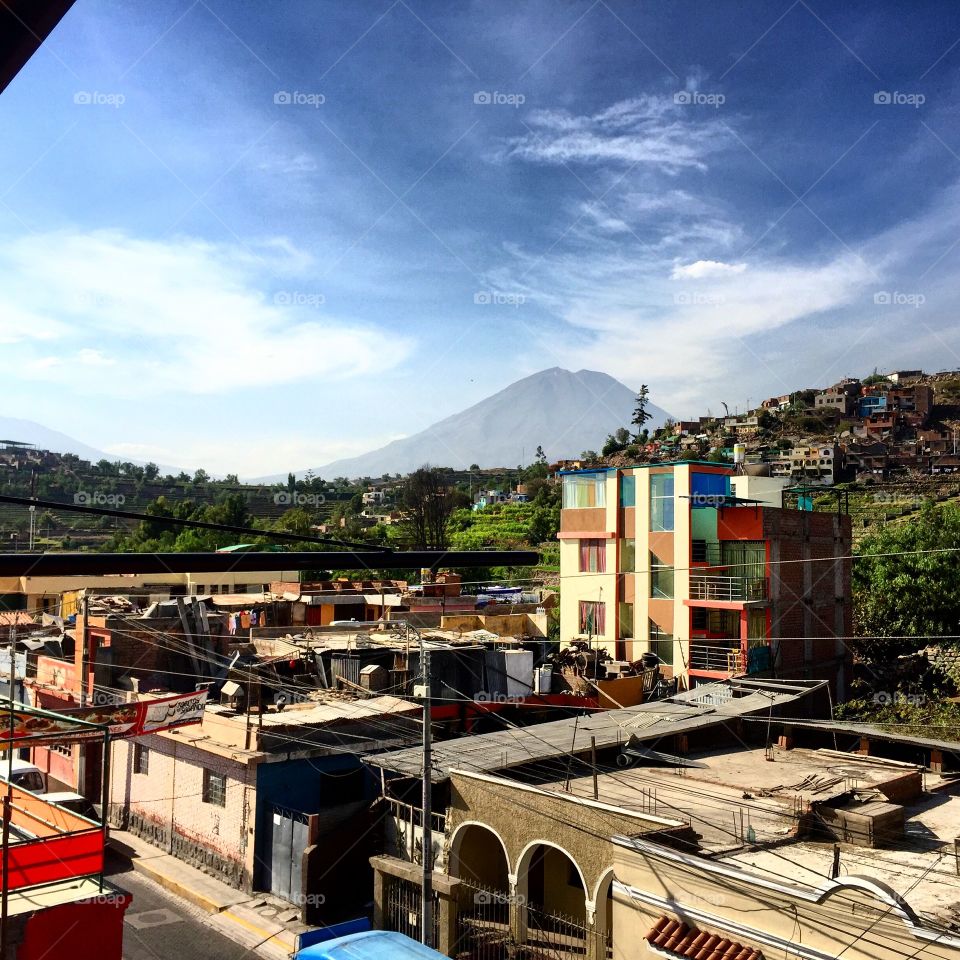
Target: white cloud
pixel 706 268
pixel 645 130
pixel 182 316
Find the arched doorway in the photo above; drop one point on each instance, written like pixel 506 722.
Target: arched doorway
pixel 551 889
pixel 478 856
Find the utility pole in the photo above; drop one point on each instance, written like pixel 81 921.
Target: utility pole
pixel 426 887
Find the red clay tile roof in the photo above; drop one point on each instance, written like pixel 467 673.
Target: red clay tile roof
pixel 678 939
pixel 15 618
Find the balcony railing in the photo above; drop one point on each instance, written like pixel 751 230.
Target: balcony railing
pixel 720 656
pixel 727 588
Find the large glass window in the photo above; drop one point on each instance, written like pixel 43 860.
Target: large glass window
pixel 584 490
pixel 661 501
pixel 626 621
pixel 661 578
pixel 628 490
pixel 661 644
pixel 628 555
pixel 592 617
pixel 593 556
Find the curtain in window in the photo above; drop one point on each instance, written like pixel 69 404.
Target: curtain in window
pixel 592 617
pixel 593 556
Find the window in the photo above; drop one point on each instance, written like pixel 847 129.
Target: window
pixel 214 588
pixel 584 490
pixel 661 578
pixel 141 759
pixel 214 788
pixel 661 501
pixel 593 556
pixel 200 589
pixel 626 621
pixel 593 618
pixel 628 490
pixel 661 644
pixel 628 555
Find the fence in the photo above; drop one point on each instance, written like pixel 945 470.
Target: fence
pixel 401 909
pixel 483 931
pixel 727 588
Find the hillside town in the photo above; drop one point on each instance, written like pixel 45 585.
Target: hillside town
pixel 462 692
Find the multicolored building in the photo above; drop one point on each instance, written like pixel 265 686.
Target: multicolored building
pixel 704 568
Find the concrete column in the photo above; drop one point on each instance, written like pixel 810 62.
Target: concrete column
pixel 449 914
pixel 518 908
pixel 596 928
pixel 379 893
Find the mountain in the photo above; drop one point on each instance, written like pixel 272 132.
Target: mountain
pixel 564 412
pixel 27 431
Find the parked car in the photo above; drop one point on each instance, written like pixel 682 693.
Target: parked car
pixel 75 803
pixel 24 774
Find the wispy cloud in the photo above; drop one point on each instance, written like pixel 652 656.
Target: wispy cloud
pixel 647 130
pixel 183 316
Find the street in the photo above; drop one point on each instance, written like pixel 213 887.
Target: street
pixel 160 925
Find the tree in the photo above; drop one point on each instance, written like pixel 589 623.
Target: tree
pixel 640 413
pixel 540 456
pixel 903 597
pixel 427 502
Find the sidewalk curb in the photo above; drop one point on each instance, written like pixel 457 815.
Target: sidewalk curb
pixel 230 908
pixel 175 886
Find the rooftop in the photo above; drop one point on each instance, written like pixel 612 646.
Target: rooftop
pixel 705 706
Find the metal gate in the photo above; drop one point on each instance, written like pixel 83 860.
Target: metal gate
pixel 401 912
pixel 287 836
pixel 483 924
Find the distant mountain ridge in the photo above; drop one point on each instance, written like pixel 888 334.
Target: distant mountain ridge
pixel 562 411
pixel 28 431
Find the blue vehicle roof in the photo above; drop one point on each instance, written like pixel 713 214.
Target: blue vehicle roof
pixel 370 945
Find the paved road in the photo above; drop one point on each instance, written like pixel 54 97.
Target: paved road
pixel 160 925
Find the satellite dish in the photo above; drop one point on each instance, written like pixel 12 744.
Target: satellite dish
pixel 280 700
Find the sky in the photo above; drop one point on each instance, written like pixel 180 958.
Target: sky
pixel 258 237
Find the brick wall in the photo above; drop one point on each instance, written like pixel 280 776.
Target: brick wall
pixel 166 806
pixel 811 601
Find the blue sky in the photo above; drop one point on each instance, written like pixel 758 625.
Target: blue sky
pixel 261 236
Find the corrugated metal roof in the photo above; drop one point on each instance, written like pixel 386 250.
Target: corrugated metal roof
pixel 704 706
